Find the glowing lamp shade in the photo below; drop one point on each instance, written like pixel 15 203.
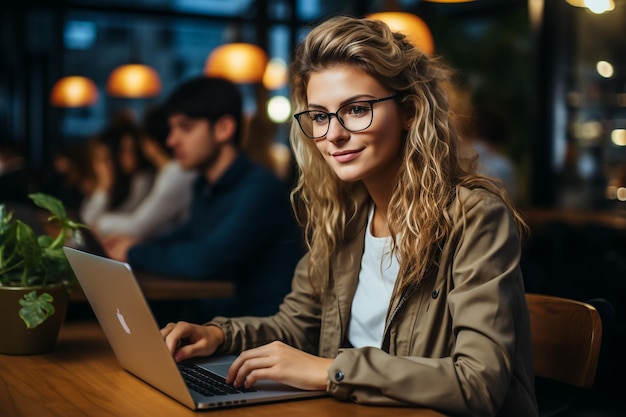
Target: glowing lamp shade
pixel 74 91
pixel 414 28
pixel 275 75
pixel 595 6
pixel 134 81
pixel 238 62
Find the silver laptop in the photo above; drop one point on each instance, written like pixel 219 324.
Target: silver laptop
pixel 118 303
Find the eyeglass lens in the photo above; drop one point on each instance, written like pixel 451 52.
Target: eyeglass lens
pixel 352 116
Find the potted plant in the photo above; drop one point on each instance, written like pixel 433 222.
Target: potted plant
pixel 35 278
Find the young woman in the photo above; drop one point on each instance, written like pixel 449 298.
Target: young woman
pixel 411 292
pixel 168 199
pixel 122 175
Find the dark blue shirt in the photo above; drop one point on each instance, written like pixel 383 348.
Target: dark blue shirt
pixel 241 228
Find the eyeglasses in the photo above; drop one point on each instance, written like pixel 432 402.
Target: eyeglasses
pixel 354 117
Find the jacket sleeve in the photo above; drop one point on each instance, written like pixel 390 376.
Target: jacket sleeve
pixel 485 302
pixel 297 322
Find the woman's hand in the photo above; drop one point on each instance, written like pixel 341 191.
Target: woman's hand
pixel 185 340
pixel 103 167
pixel 279 362
pixel 117 246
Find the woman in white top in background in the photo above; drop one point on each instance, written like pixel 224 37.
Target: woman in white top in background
pixel 122 176
pixel 169 197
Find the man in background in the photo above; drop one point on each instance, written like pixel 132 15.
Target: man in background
pixel 240 226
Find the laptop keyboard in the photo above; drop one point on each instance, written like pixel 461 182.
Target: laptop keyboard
pixel 206 382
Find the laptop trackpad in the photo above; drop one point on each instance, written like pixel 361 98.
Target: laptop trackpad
pixel 220 369
pixel 217 364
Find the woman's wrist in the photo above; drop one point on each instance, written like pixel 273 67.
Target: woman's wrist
pixel 215 335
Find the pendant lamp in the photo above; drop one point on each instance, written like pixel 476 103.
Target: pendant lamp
pixel 74 91
pixel 596 6
pixel 134 81
pixel 414 28
pixel 238 62
pixel 275 75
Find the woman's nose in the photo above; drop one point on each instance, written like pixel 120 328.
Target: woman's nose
pixel 336 131
pixel 171 139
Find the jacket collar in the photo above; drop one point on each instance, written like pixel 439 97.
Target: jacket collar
pixel 231 176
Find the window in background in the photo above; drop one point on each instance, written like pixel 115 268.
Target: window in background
pixel 590 110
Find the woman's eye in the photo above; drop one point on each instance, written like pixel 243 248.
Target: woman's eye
pixel 358 109
pixel 319 117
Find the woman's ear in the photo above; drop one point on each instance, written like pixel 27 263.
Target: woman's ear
pixel 408 121
pixel 407 117
pixel 225 128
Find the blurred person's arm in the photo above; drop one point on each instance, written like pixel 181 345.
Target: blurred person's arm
pixel 97 200
pixel 116 246
pixel 257 217
pixel 162 208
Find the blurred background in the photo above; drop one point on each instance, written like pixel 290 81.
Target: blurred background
pixel 547 76
pixel 555 69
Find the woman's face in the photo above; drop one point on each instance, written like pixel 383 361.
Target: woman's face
pixel 101 154
pixel 193 142
pixel 128 155
pixel 372 155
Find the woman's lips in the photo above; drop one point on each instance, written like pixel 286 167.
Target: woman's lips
pixel 346 156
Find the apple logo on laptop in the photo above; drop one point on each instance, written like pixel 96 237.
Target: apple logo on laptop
pixel 120 317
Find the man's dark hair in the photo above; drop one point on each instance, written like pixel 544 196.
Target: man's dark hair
pixel 154 125
pixel 208 98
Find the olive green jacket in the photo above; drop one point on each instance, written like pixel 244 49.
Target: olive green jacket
pixel 459 343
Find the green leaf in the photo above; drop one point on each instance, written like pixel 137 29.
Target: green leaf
pixel 50 203
pixel 27 243
pixel 8 243
pixel 7 227
pixel 44 241
pixel 35 310
pixel 5 216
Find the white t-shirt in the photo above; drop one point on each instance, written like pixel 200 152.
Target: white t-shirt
pixel 96 203
pixel 377 278
pixel 161 209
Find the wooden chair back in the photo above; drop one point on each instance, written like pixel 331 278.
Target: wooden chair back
pixel 566 337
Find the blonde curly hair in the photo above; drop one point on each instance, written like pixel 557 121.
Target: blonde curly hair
pixel 431 173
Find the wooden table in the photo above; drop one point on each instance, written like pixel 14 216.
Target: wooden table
pixel 159 287
pixel 83 378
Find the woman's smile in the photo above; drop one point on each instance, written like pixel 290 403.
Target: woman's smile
pixel 346 156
